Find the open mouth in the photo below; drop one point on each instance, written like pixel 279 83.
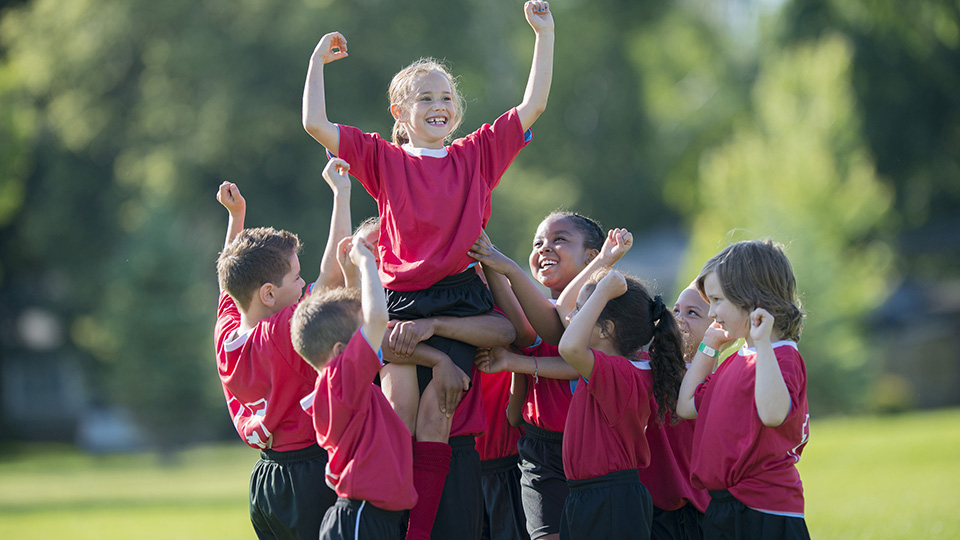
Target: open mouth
pixel 437 121
pixel 548 263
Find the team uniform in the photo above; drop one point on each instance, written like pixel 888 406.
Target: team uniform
pixel 603 447
pixel 543 484
pixel 500 476
pixel 262 376
pixel 370 448
pixel 677 506
pixel 423 246
pixel 750 469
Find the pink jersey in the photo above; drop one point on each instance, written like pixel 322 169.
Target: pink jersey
pixel 370 449
pixel 607 419
pixel 501 438
pixel 547 399
pixel 668 475
pixel 432 205
pixel 263 379
pixel 469 418
pixel 733 450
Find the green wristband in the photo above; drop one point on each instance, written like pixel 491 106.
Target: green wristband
pixel 708 350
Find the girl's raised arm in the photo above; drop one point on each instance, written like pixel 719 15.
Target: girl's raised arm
pixel 575 343
pixel 332 46
pixel 617 244
pixel 541 70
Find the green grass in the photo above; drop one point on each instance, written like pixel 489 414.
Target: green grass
pixel 864 478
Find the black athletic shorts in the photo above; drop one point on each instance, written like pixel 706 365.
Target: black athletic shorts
pixel 460 513
pixel 289 494
pixel 502 504
pixel 684 523
pixel 543 485
pixel 459 295
pixel 612 506
pixel 728 518
pixel 359 520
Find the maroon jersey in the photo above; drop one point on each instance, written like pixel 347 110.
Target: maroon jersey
pixel 420 243
pixel 263 379
pixel 607 418
pixel 547 399
pixel 668 475
pixel 501 438
pixel 733 450
pixel 370 449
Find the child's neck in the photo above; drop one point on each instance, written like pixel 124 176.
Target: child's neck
pixel 252 317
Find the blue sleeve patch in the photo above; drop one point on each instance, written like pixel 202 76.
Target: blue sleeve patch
pixel 527 136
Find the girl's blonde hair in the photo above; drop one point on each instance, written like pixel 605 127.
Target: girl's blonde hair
pixel 756 274
pixel 402 87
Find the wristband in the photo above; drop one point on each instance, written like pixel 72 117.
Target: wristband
pixel 708 350
pixel 536 369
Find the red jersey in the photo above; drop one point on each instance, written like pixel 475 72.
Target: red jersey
pixel 370 449
pixel 468 417
pixel 549 399
pixel 607 418
pixel 263 379
pixel 501 438
pixel 434 204
pixel 668 475
pixel 733 450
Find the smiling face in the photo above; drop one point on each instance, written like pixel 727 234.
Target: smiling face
pixel 290 288
pixel 690 311
pixel 558 254
pixel 430 113
pixel 734 319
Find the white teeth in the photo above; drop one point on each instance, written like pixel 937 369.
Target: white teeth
pixel 437 121
pixel 546 263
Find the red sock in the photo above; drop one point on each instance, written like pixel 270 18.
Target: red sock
pixel 431 463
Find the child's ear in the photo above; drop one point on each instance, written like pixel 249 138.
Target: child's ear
pixel 606 329
pixel 338 349
pixel 267 295
pixel 592 254
pixel 396 111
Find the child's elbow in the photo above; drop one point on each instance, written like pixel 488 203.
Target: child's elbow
pixel 773 419
pixel 686 410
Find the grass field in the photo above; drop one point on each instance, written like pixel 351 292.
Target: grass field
pixel 864 478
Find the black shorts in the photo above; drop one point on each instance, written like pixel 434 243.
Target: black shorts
pixel 459 295
pixel 460 513
pixel 289 493
pixel 502 505
pixel 728 518
pixel 684 523
pixel 543 485
pixel 612 506
pixel 352 520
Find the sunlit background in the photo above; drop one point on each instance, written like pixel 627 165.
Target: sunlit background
pixel 830 126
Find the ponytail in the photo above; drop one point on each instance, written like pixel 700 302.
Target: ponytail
pixel 666 359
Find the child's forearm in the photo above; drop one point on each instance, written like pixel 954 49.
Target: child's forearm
pixel 551 367
pixel 234 227
pixel 702 366
pixel 575 344
pixel 506 300
pixel 330 273
pixel 567 301
pixel 518 396
pixel 373 303
pixel 488 330
pixel 770 390
pixel 541 77
pixel 539 310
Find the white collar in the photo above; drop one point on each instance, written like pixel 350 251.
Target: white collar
pixel 744 351
pixel 424 152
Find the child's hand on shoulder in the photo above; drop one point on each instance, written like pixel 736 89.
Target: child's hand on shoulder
pixel 489 256
pixel 761 325
pixel 332 46
pixel 335 173
pixel 229 196
pixel 617 244
pixel 538 15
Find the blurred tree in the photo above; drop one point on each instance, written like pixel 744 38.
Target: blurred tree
pixel 906 71
pixel 797 171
